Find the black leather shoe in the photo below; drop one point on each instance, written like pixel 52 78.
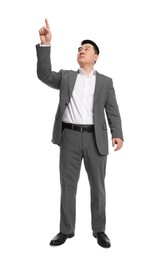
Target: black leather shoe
pixel 60 239
pixel 102 239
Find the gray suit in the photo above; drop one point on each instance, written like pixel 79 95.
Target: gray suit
pixel 95 148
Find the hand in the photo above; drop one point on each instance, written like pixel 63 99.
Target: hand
pixel 45 33
pixel 118 142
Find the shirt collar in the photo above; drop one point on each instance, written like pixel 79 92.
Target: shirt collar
pixel 82 71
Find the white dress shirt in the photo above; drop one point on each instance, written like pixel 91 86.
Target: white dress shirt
pixel 80 107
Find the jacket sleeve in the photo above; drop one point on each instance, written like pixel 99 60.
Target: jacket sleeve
pixel 112 112
pixel 44 71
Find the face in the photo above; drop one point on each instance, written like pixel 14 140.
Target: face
pixel 86 55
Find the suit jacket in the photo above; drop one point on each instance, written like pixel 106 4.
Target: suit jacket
pixel 104 100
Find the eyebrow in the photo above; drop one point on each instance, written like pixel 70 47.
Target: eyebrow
pixel 80 48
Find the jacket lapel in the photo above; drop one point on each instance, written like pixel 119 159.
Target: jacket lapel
pixel 97 86
pixel 72 80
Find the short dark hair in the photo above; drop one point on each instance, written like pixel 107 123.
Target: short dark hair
pixel 96 48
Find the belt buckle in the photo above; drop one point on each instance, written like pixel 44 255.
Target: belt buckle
pixel 81 128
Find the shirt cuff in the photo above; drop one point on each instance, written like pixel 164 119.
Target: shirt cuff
pixel 45 45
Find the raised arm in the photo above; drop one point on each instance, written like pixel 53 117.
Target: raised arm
pixel 44 70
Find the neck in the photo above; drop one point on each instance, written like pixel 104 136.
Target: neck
pixel 88 68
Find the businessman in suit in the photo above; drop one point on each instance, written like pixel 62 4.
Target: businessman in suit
pixel 80 130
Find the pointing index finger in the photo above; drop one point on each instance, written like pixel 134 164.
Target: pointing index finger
pixel 47 24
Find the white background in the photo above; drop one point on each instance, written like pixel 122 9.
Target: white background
pixel 132 41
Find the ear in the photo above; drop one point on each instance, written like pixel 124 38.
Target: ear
pixel 96 57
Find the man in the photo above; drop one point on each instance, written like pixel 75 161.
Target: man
pixel 80 130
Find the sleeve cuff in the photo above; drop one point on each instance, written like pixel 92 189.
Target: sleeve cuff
pixel 45 45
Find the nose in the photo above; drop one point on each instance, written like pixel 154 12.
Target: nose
pixel 81 52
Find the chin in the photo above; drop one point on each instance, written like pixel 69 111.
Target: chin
pixel 81 63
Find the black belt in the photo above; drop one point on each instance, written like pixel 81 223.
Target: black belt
pixel 80 128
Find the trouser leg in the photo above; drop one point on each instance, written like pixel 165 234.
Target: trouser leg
pixel 70 163
pixel 95 165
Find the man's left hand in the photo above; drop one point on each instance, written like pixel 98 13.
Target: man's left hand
pixel 118 142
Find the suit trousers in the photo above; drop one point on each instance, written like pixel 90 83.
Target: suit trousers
pixel 74 147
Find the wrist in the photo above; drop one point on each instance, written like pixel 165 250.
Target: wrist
pixel 45 43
